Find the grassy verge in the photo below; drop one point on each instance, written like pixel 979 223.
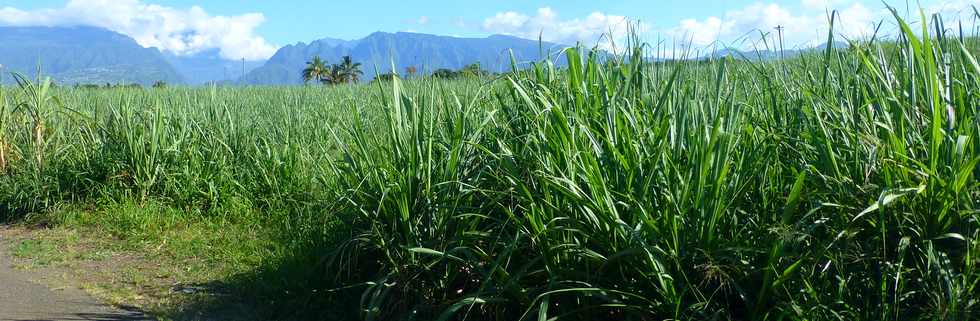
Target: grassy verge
pixel 164 262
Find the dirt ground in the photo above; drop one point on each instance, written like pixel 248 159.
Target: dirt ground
pixel 43 294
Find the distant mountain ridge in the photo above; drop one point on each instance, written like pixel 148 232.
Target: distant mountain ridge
pixel 72 55
pixel 772 53
pixel 378 51
pixel 91 55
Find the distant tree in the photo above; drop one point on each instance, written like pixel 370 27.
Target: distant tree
pixel 333 76
pixel 87 86
pixel 160 84
pixel 444 73
pixel 316 70
pixel 385 77
pixel 410 71
pixel 473 70
pixel 349 71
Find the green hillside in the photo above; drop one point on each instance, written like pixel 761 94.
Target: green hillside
pixel 82 55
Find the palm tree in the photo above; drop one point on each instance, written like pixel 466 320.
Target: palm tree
pixel 316 70
pixel 332 76
pixel 349 71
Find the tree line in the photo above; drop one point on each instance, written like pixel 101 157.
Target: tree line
pixel 348 71
pixel 472 70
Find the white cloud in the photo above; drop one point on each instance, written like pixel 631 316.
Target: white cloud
pixel 423 20
pixel 181 31
pixel 807 26
pixel 824 4
pixel 804 25
pixel 953 10
pixel 744 27
pixel 592 29
pixel 509 22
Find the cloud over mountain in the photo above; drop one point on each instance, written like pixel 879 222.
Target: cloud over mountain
pixel 803 24
pixel 547 24
pixel 180 31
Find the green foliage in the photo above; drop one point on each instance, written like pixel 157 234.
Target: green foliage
pixel 444 74
pixel 472 71
pixel 346 72
pixel 836 185
pixel 114 86
pixel 317 70
pixel 386 77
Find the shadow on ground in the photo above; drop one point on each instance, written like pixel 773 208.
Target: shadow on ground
pixel 128 314
pixel 295 288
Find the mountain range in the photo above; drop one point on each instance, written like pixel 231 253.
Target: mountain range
pixel 771 54
pixel 89 55
pixel 379 51
pixel 81 55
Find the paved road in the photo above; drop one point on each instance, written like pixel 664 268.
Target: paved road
pixel 23 299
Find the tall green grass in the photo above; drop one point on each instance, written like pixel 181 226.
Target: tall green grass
pixel 838 185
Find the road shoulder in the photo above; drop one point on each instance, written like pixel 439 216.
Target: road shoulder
pixel 41 294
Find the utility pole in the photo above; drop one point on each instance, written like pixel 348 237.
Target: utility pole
pixel 782 50
pixel 779 32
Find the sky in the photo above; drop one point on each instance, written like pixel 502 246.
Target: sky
pixel 255 29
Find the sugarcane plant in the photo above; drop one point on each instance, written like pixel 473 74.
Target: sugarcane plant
pixel 4 123
pixel 37 103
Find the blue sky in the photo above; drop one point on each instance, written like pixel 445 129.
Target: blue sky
pixel 254 28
